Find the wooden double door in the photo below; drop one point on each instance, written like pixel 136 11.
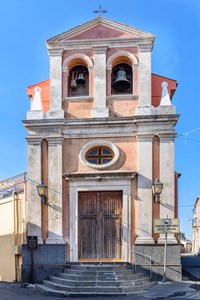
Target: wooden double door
pixel 100 225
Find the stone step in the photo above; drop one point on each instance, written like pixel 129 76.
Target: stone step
pixel 86 277
pixel 99 283
pixel 107 277
pixel 57 293
pixel 77 289
pixel 63 291
pixel 94 272
pixel 100 267
pixel 89 279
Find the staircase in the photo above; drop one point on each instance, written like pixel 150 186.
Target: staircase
pixel 89 279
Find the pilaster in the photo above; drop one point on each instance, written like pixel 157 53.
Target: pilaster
pixel 167 208
pixel 100 109
pixel 55 233
pixel 56 110
pixel 34 178
pixel 144 80
pixel 144 226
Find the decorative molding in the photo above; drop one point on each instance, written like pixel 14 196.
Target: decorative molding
pixel 97 143
pixel 82 56
pixel 131 56
pixel 99 176
pixel 55 52
pixel 79 99
pixel 145 47
pixel 54 141
pixel 123 97
pixel 98 50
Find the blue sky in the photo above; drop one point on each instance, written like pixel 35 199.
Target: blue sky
pixel 25 25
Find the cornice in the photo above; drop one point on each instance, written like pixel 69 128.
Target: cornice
pixel 137 120
pixel 111 43
pixel 99 175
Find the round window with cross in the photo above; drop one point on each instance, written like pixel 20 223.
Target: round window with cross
pixel 99 154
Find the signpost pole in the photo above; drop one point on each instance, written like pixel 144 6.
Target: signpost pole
pixel 32 268
pixel 165 226
pixel 32 242
pixel 165 259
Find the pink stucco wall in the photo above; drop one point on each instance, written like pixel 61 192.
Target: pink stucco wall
pixel 127 160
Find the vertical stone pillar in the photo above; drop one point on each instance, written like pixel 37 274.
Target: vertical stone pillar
pixel 55 233
pixel 144 80
pixel 91 81
pixel 144 228
pixel 100 110
pixel 108 80
pixel 65 74
pixel 135 79
pixel 34 178
pixel 56 110
pixel 167 178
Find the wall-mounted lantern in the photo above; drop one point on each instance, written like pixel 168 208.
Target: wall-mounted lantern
pixel 42 192
pixel 157 187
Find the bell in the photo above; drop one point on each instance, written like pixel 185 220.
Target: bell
pixel 80 79
pixel 121 83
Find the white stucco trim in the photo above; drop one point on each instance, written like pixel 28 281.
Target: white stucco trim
pixel 131 56
pixel 96 143
pixel 84 57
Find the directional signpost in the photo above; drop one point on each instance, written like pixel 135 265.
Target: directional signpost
pixel 166 226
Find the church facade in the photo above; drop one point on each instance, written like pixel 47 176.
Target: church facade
pixel 100 132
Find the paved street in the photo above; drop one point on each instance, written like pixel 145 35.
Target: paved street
pixel 179 290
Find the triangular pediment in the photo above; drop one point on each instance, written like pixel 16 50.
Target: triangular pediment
pixel 99 28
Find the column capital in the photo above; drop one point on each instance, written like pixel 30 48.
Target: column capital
pixel 53 141
pixel 99 49
pixel 143 47
pixel 144 137
pixel 55 52
pixel 34 141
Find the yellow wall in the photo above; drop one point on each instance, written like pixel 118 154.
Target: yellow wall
pixel 12 229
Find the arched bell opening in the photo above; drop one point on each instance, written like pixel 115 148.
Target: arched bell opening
pixel 78 81
pixel 122 78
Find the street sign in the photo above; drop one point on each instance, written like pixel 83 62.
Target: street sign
pixel 32 242
pixel 166 226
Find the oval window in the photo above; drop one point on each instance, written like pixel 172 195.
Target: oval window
pixel 99 154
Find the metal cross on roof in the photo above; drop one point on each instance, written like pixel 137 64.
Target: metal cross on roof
pixel 100 11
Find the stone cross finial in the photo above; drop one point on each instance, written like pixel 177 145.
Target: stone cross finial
pixel 165 99
pixel 36 103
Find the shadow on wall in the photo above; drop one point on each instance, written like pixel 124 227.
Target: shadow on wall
pixel 156 252
pixel 46 260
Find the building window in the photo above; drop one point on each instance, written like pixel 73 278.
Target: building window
pixel 78 82
pixel 122 79
pixel 99 154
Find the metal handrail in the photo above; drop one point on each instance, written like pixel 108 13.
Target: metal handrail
pixel 146 256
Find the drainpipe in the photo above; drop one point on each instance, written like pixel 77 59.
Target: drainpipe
pixel 17 231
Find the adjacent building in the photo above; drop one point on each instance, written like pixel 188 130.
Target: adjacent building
pixel 196 227
pixel 12 226
pixel 100 131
